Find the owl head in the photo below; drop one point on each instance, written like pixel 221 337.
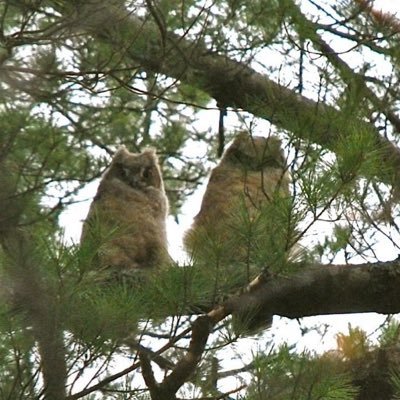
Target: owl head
pixel 137 170
pixel 256 152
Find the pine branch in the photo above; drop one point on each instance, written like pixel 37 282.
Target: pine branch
pixel 131 368
pixel 29 293
pixel 354 80
pixel 231 83
pixel 33 297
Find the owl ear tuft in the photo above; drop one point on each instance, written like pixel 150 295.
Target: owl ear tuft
pixel 151 153
pixel 243 135
pixel 120 153
pixel 241 138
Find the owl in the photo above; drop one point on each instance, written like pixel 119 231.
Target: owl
pixel 251 174
pixel 242 220
pixel 127 218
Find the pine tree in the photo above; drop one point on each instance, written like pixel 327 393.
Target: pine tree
pixel 79 78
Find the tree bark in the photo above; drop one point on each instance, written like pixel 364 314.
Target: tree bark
pixel 319 290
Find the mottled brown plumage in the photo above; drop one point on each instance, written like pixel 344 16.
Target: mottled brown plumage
pixel 128 214
pixel 239 225
pixel 250 174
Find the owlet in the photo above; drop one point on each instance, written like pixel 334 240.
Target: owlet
pixel 127 217
pixel 231 224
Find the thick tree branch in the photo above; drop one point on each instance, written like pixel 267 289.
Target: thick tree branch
pixel 231 83
pixel 334 289
pixel 184 368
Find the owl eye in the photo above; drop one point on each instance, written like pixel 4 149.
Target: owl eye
pixel 146 173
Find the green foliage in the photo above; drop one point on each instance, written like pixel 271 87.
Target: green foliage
pixel 358 154
pixel 390 334
pixel 104 312
pixel 315 179
pixel 233 253
pixel 18 378
pixel 395 381
pixel 193 95
pixel 287 375
pixel 277 216
pixel 353 345
pixel 176 291
pixel 70 95
pixel 339 241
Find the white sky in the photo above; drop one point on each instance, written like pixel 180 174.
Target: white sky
pixel 392 6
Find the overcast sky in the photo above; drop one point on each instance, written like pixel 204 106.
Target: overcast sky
pixel 392 6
